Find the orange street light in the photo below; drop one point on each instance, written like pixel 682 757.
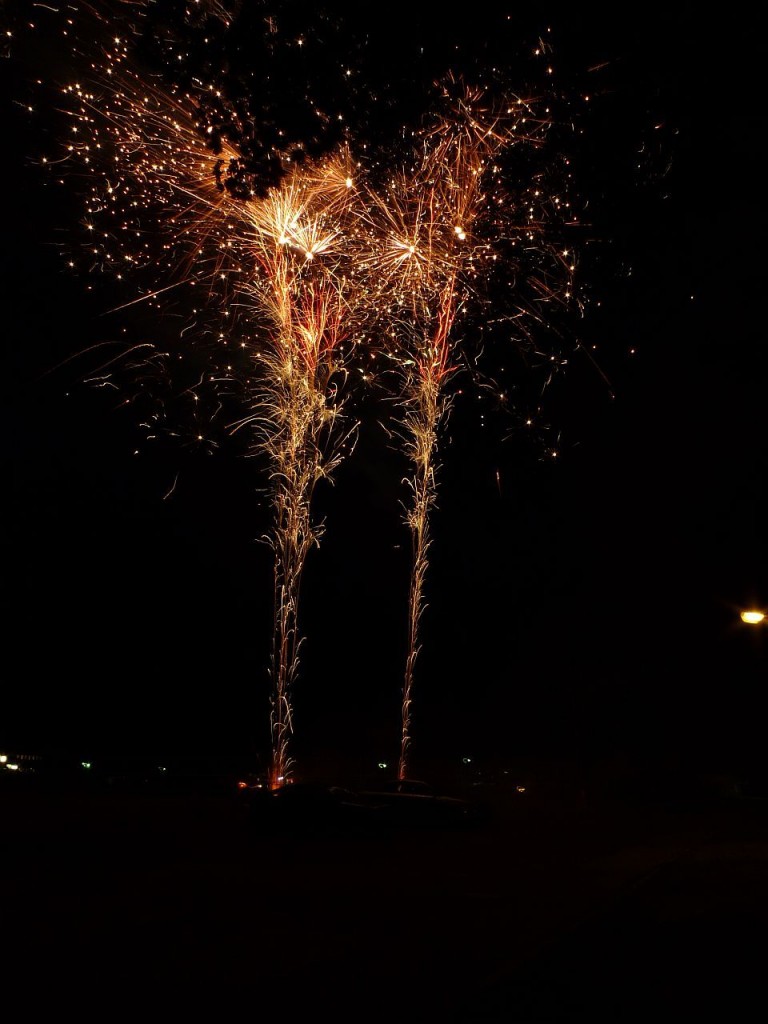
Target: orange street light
pixel 753 617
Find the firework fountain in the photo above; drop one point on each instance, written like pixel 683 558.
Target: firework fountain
pixel 437 227
pixel 308 257
pixel 308 297
pixel 285 258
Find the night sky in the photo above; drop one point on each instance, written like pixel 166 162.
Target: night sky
pixel 584 605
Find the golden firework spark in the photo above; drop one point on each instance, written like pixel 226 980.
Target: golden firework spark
pixel 309 263
pixel 289 252
pixel 310 306
pixel 428 260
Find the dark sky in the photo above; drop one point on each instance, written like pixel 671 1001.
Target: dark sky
pixel 581 605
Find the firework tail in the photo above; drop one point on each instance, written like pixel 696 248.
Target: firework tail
pixel 432 264
pixel 308 304
pixel 287 251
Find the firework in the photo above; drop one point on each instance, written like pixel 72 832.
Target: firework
pixel 287 257
pixel 438 226
pixel 283 256
pixel 305 292
pixel 311 261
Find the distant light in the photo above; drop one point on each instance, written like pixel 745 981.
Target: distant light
pixel 12 767
pixel 752 617
pixel 466 760
pixel 383 764
pixel 242 785
pixel 85 764
pixel 3 758
pixel 520 789
pixel 161 769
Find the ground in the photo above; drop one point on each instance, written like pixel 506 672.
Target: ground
pixel 555 910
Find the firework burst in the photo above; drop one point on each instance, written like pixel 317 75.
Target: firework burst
pixel 307 295
pixel 292 260
pixel 437 227
pixel 283 256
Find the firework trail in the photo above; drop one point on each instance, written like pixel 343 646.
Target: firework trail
pixel 194 195
pixel 436 226
pixel 284 256
pixel 300 242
